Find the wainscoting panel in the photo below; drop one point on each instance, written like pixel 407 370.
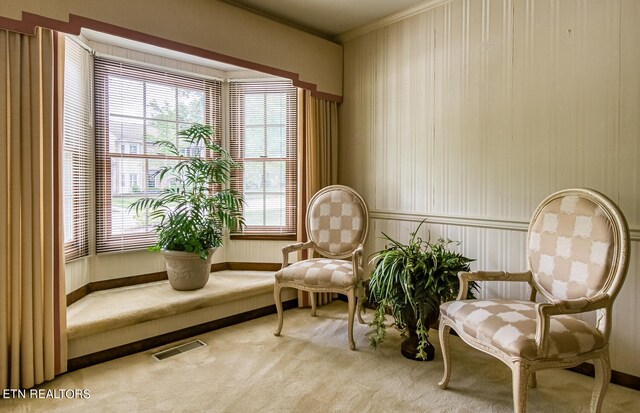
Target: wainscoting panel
pixel 470 112
pixel 257 251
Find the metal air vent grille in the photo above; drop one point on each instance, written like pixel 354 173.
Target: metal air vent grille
pixel 174 351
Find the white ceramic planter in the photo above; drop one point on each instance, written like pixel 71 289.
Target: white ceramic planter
pixel 186 270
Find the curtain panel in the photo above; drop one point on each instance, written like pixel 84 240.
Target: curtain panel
pixel 32 303
pixel 318 162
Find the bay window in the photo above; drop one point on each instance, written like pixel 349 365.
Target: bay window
pixel 114 113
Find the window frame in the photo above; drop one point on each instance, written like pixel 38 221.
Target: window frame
pixel 106 241
pixel 237 90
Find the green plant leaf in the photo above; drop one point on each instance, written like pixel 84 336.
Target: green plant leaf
pixel 411 280
pixel 191 215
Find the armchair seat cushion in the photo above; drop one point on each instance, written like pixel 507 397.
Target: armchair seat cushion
pixel 510 326
pixel 320 272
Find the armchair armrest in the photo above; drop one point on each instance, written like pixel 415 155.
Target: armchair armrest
pixel 465 277
pixel 545 310
pixel 578 305
pixel 293 247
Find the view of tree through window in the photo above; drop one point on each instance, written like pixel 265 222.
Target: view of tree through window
pixel 136 107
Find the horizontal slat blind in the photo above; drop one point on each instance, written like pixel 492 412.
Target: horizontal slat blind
pixel 135 107
pixel 263 139
pixel 77 148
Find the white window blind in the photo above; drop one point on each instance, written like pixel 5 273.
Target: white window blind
pixel 263 139
pixel 135 107
pixel 77 149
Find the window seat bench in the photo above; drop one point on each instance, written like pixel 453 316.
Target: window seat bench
pixel 111 323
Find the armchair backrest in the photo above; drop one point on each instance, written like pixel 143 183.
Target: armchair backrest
pixel 337 221
pixel 578 245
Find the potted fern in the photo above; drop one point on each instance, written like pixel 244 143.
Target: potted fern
pixel 193 208
pixel 410 281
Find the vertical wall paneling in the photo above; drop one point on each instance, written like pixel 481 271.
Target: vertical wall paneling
pixel 629 121
pixel 470 112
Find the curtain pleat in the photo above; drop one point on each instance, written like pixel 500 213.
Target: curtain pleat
pixel 318 155
pixel 32 336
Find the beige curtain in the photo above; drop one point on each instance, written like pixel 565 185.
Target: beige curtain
pixel 318 155
pixel 32 318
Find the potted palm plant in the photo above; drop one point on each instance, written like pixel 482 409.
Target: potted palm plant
pixel 410 281
pixel 194 206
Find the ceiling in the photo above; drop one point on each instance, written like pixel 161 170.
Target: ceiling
pixel 328 18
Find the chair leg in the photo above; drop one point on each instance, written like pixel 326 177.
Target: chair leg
pixel 359 312
pixel 520 384
pixel 278 299
pixel 602 378
pixel 312 299
pixel 351 298
pixel 443 333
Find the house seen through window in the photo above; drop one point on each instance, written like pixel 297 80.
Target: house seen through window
pixel 135 106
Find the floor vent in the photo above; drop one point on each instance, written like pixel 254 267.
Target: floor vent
pixel 174 351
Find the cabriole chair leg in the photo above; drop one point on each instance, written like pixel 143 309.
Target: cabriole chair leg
pixel 602 378
pixel 351 298
pixel 278 299
pixel 520 384
pixel 443 333
pixel 359 312
pixel 312 299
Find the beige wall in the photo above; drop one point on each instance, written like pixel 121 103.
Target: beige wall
pixel 470 112
pixel 209 25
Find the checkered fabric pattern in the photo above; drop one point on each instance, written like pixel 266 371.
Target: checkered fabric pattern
pixel 336 222
pixel 321 272
pixel 511 326
pixel 570 248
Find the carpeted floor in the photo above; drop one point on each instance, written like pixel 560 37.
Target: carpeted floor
pixel 245 368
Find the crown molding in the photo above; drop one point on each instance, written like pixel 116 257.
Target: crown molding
pixel 392 18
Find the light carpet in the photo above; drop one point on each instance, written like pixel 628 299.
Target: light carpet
pixel 245 368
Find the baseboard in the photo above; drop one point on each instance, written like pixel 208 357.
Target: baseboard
pixel 94 286
pixel 149 343
pixel 252 266
pixel 617 377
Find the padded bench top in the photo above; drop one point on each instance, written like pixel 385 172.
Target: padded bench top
pixel 120 307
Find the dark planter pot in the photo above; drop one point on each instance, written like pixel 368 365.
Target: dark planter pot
pixel 409 347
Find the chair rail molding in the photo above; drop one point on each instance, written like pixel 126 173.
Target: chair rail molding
pixel 466 221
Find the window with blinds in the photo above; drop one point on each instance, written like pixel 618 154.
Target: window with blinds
pixel 263 139
pixel 77 150
pixel 134 108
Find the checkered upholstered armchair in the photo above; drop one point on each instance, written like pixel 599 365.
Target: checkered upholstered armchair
pixel 337 222
pixel 578 253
